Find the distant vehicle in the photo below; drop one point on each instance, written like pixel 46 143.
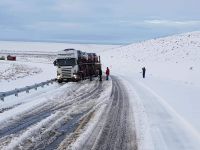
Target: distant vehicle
pixel 2 58
pixel 74 65
pixel 12 58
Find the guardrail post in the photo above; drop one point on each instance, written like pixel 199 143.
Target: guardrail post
pixel 2 98
pixel 27 90
pixel 16 94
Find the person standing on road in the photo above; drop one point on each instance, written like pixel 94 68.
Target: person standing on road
pixel 107 73
pixel 143 72
pixel 90 73
pixel 100 74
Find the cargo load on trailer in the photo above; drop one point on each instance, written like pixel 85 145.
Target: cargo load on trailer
pixel 75 65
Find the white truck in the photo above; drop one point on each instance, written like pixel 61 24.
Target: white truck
pixel 75 65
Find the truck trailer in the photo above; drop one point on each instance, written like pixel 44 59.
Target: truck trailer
pixel 76 65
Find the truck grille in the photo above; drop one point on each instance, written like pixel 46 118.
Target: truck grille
pixel 66 72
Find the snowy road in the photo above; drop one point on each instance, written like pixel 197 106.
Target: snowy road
pixel 114 131
pixel 59 122
pixel 166 126
pixel 158 124
pixel 117 114
pixel 62 111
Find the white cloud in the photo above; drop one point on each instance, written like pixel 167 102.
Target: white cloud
pixel 173 22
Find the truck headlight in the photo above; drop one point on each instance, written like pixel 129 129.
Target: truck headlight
pixel 58 76
pixel 75 76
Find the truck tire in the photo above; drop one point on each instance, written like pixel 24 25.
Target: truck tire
pixel 60 81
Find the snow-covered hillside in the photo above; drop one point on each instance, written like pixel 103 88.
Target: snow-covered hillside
pixel 178 48
pixel 175 57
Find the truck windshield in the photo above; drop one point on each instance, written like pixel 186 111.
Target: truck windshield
pixel 66 62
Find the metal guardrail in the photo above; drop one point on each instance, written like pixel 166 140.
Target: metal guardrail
pixel 25 89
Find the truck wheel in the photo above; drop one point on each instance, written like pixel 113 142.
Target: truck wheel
pixel 60 81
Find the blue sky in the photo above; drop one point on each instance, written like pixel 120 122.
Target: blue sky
pixel 92 21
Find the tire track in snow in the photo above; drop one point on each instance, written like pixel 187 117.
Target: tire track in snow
pixel 116 133
pixel 24 123
pixel 40 113
pixel 70 126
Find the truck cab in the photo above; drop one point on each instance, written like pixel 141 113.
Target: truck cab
pixel 74 65
pixel 67 65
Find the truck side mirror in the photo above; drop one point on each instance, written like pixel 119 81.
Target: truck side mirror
pixel 55 63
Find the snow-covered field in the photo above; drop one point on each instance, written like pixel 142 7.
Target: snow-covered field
pixel 165 105
pixel 20 74
pixel 13 71
pixel 48 48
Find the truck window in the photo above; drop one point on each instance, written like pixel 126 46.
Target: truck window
pixel 66 62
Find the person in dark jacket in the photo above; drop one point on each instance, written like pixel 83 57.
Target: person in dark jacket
pixel 107 73
pixel 100 74
pixel 143 72
pixel 90 73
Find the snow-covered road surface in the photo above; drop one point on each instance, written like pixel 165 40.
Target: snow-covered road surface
pixel 117 114
pixel 61 120
pixel 59 109
pixel 114 129
pixel 158 125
